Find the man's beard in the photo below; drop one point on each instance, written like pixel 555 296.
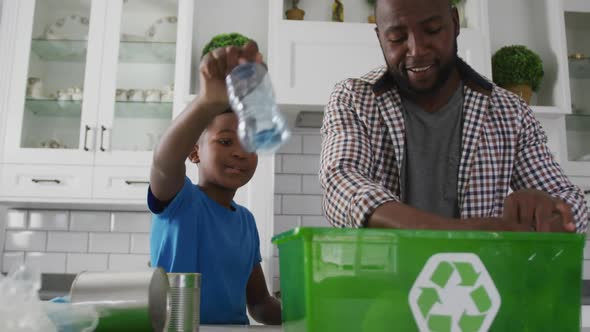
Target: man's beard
pixel 444 73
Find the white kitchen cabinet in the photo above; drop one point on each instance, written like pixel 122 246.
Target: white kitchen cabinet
pixel 103 144
pixel 577 125
pixel 307 58
pixel 539 25
pixel 69 63
pixel 39 182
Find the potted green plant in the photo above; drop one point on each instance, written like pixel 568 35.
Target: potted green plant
pixel 225 39
pixel 518 69
pixel 371 18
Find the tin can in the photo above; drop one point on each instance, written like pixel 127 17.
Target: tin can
pixel 125 301
pixel 185 300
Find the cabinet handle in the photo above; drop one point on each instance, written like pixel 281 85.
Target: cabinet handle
pixel 102 130
pixel 56 181
pixel 131 182
pixel 87 129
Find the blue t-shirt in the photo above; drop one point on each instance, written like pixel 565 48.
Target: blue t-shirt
pixel 196 234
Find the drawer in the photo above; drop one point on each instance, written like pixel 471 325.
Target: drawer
pixel 127 183
pixel 46 181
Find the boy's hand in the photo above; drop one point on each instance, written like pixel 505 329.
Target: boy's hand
pixel 539 210
pixel 214 68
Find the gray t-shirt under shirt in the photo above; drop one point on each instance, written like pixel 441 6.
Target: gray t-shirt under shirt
pixel 433 151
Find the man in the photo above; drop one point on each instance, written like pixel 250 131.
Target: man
pixel 427 143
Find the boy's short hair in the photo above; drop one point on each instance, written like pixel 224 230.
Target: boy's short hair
pixel 228 110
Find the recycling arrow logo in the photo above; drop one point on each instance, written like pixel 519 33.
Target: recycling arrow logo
pixel 454 293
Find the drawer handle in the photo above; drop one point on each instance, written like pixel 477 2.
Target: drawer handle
pixel 131 182
pixel 587 191
pixel 102 130
pixel 87 129
pixel 56 181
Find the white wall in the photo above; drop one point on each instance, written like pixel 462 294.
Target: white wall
pixel 61 241
pixel 212 17
pixel 297 190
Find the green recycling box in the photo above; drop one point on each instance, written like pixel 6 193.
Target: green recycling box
pixel 373 280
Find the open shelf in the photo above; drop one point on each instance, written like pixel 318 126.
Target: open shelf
pixel 579 68
pixel 147 52
pixel 129 51
pixel 133 109
pixel 578 135
pixel 54 108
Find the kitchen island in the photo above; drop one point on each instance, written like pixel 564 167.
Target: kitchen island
pixel 266 328
pixel 241 328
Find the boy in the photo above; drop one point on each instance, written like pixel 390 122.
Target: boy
pixel 200 228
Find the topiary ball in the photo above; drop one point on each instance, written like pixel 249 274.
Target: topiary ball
pixel 516 64
pixel 225 39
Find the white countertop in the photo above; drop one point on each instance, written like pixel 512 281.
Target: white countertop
pixel 586 318
pixel 239 328
pixel 265 328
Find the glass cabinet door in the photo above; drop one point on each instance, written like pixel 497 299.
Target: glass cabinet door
pixel 578 123
pixel 57 62
pixel 140 88
pixel 48 112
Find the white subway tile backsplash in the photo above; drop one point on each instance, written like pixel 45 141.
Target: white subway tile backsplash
pixel 312 144
pixel 48 220
pixel 140 243
pixel 90 221
pixel 128 262
pixel 86 262
pixel 301 164
pixel 25 241
pixel 137 222
pixel 278 163
pixel 287 184
pixel 315 221
pixel 293 145
pixel 285 223
pixel 47 262
pixel 16 219
pixel 302 205
pixel 10 260
pixel 276 267
pixel 109 242
pixel 311 185
pixel 277 204
pixel 67 241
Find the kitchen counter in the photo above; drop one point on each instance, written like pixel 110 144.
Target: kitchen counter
pixel 241 328
pixel 264 328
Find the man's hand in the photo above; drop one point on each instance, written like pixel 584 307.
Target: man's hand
pixel 216 65
pixel 539 211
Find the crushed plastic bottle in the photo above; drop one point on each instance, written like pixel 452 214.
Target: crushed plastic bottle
pixel 21 310
pixel 20 307
pixel 261 126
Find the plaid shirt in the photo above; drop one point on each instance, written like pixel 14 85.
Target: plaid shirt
pixel 502 146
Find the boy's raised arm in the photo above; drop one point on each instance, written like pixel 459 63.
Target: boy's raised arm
pixel 168 168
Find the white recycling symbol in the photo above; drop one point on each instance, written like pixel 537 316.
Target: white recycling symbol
pixel 454 293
